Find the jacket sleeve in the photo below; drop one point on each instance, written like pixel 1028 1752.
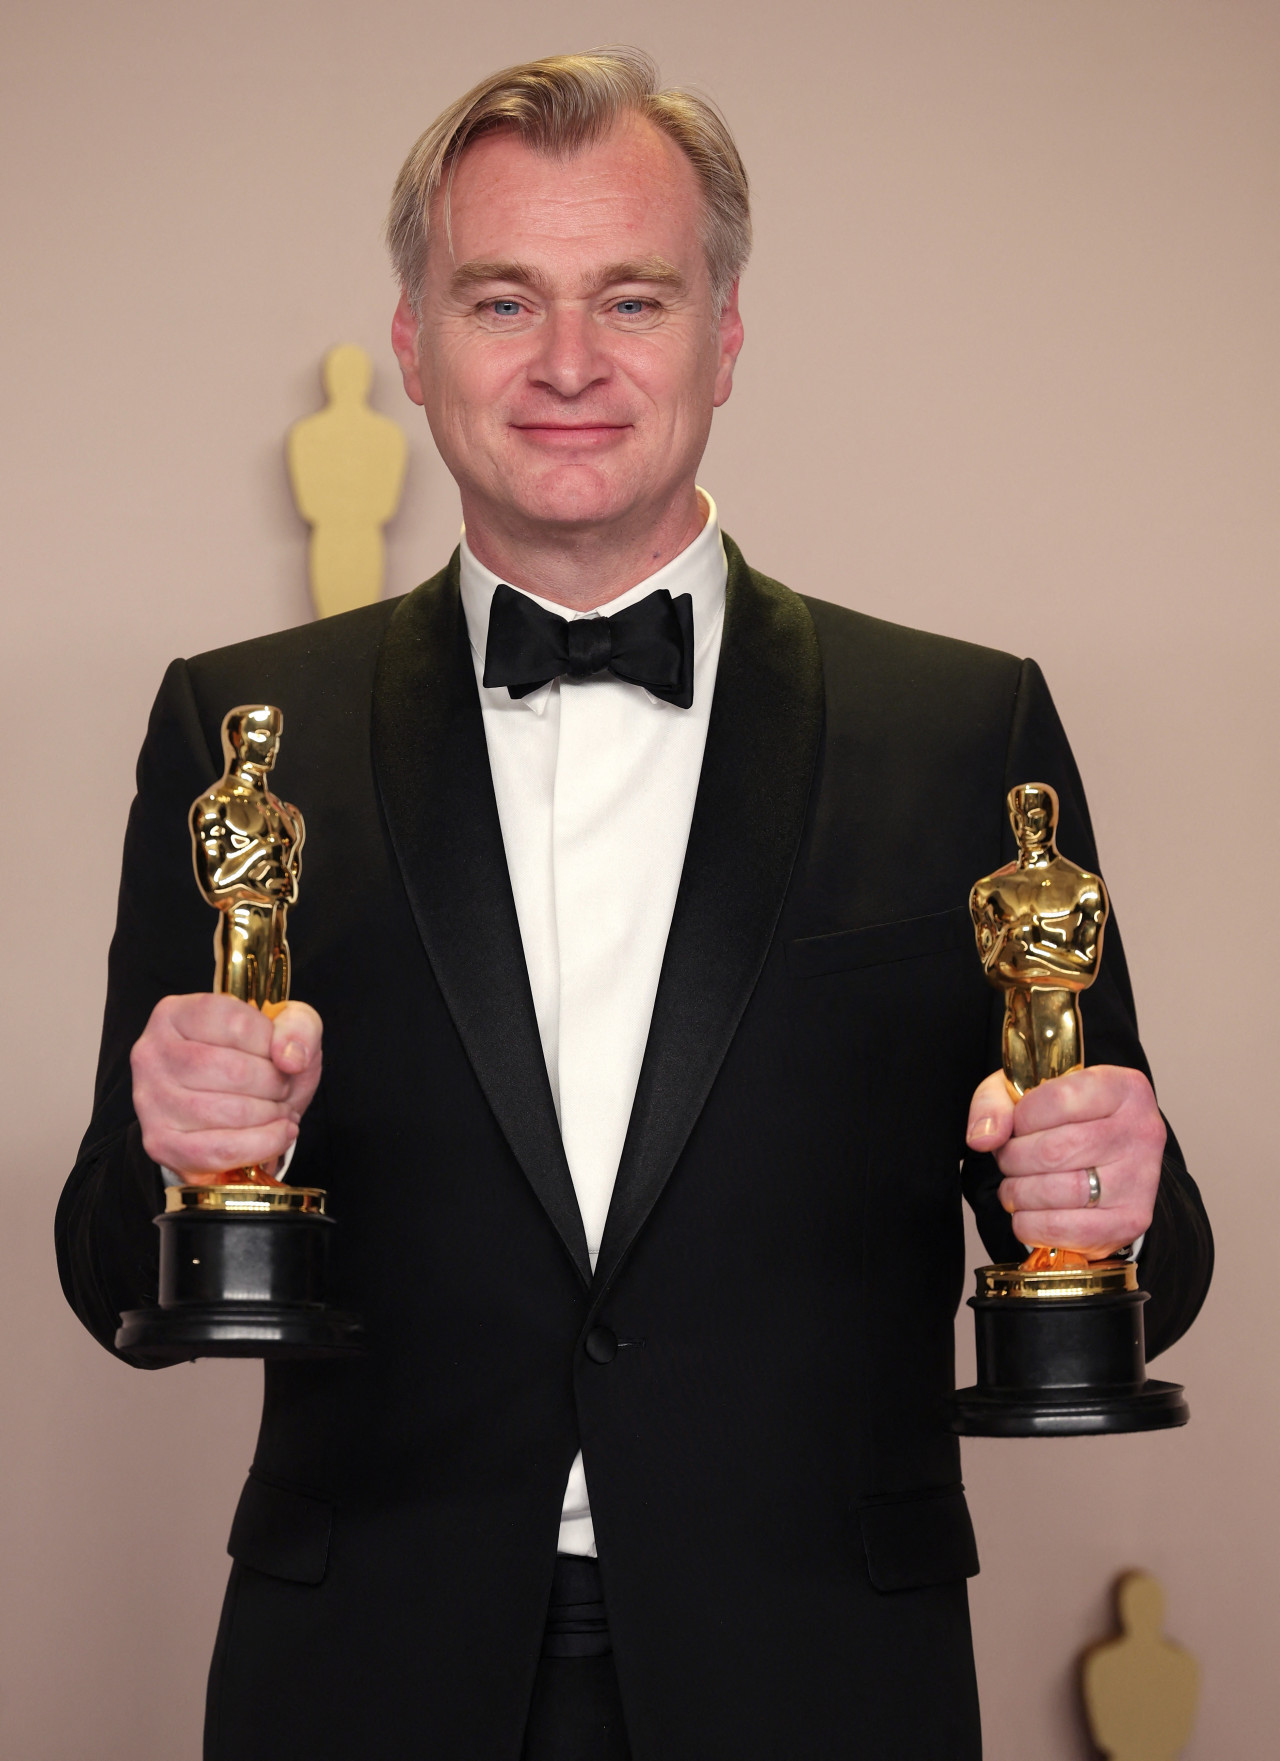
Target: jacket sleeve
pixel 1176 1262
pixel 108 1247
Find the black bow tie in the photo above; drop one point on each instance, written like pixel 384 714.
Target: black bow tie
pixel 649 644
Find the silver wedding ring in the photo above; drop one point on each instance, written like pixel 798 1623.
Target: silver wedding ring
pixel 1095 1189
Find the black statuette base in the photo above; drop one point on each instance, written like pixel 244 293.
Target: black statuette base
pixel 984 1412
pixel 172 1336
pixel 241 1286
pixel 1063 1367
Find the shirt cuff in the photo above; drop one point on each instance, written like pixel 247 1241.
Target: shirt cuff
pixel 172 1179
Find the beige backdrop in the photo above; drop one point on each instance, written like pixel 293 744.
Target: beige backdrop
pixel 1011 373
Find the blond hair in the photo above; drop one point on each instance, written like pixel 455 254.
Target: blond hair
pixel 557 106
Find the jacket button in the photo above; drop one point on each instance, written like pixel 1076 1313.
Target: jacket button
pixel 601 1345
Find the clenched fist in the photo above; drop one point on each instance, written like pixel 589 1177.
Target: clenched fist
pixel 1105 1118
pixel 216 1085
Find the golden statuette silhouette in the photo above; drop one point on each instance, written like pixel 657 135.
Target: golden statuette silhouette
pixel 244 1261
pixel 346 469
pixel 1140 1689
pixel 1060 1338
pixel 1039 923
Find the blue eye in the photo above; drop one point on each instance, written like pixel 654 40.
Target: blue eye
pixel 506 308
pixel 631 308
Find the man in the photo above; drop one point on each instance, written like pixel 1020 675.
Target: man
pixel 653 1031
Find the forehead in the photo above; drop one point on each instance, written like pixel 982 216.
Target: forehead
pixel 632 194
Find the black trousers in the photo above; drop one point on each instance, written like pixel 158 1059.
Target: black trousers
pixel 576 1711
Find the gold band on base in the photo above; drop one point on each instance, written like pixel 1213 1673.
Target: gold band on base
pixel 243 1197
pixel 1104 1278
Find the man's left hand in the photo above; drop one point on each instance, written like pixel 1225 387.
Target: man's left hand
pixel 1105 1118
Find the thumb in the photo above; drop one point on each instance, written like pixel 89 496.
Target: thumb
pixel 990 1114
pixel 295 1038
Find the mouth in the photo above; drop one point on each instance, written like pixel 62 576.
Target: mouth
pixel 566 436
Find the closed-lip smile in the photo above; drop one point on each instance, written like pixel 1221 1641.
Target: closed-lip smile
pixel 571 433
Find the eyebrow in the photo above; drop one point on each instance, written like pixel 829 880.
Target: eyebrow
pixel 655 271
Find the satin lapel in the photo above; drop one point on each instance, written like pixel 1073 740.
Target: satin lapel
pixel 753 794
pixel 432 768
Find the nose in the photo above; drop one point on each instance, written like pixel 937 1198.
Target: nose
pixel 570 357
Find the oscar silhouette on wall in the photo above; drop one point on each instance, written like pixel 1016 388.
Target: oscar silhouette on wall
pixel 346 468
pixel 1140 1690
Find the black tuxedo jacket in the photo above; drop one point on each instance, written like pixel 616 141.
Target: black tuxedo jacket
pixel 775 1489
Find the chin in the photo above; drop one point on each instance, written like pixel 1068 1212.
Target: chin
pixel 574 497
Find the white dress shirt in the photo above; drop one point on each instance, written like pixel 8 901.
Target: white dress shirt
pixel 595 781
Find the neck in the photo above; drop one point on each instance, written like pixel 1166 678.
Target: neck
pixel 246 771
pixel 582 567
pixel 1036 855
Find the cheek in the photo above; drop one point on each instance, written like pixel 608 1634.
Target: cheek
pixel 672 374
pixel 466 386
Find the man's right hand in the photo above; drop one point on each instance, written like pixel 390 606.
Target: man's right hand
pixel 216 1085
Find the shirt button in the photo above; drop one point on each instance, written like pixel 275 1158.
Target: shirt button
pixel 601 1345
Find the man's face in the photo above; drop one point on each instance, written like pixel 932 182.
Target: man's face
pixel 568 357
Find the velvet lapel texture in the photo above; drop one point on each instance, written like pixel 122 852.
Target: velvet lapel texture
pixel 432 768
pixel 753 796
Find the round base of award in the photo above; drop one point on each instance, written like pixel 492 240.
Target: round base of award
pixel 244 1271
pixel 1061 1354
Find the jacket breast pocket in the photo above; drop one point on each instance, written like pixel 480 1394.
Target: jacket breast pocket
pixel 908 938
pixel 922 1538
pixel 281 1532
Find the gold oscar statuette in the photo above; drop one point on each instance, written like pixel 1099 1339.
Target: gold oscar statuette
pixel 246 844
pixel 244 1258
pixel 1039 925
pixel 1060 1342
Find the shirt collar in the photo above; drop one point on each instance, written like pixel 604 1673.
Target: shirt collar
pixel 700 570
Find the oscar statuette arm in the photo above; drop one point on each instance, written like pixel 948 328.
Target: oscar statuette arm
pixel 1176 1261
pixel 108 1248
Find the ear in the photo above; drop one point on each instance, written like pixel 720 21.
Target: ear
pixel 730 342
pixel 404 340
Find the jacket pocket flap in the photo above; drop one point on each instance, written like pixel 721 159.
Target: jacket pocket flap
pixel 914 1541
pixel 280 1532
pixel 847 949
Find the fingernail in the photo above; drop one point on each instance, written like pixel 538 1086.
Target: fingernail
pixel 980 1128
pixel 296 1052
